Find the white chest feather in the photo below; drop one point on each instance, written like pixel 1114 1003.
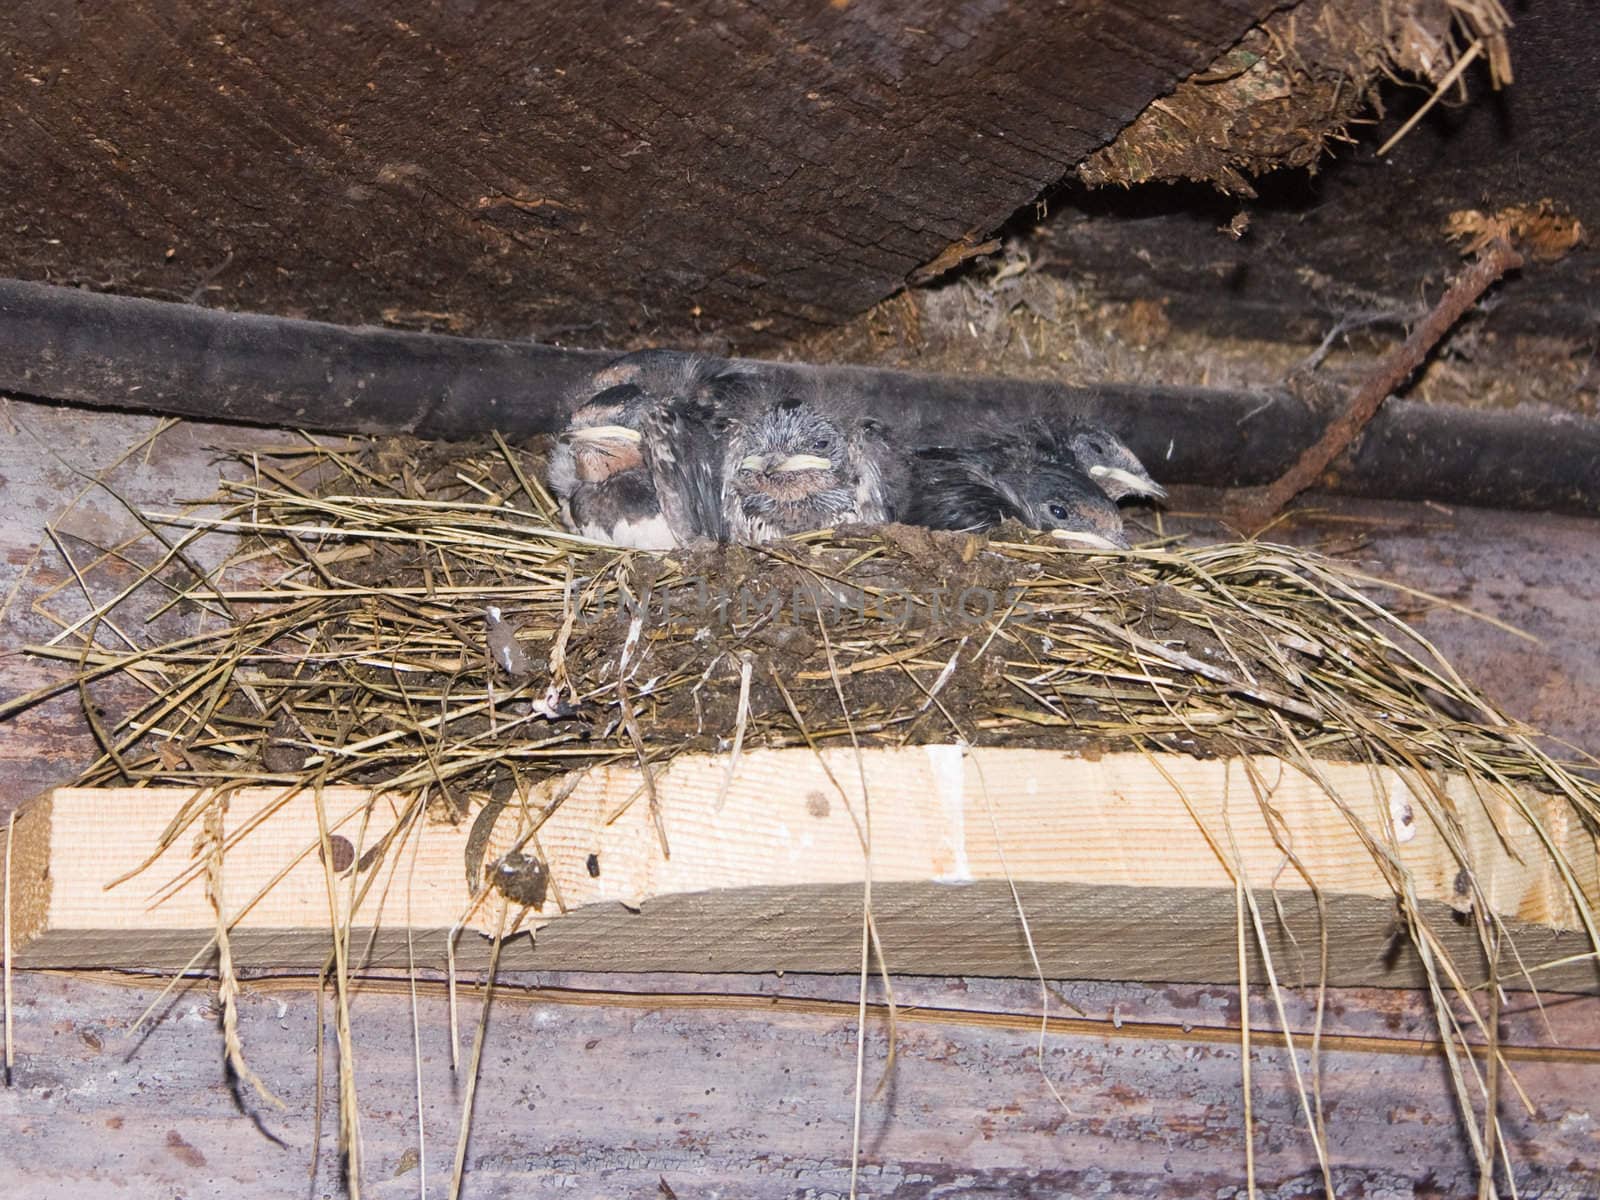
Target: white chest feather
pixel 647 533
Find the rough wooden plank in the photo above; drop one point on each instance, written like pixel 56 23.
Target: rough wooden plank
pixel 1079 931
pixel 507 168
pixel 746 1090
pixel 770 879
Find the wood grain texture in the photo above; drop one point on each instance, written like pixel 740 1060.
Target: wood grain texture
pixel 528 169
pixel 1125 864
pixel 601 1086
pixel 1366 233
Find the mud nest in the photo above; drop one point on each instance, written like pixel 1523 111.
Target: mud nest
pixel 1294 83
pixel 412 619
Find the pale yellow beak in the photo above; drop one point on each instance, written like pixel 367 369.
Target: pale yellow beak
pixel 1129 480
pixel 605 433
pixel 795 462
pixel 1084 538
pixel 803 462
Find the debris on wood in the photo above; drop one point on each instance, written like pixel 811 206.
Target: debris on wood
pixel 1543 230
pixel 1293 84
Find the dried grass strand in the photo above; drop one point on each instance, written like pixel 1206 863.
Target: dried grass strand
pixel 5 950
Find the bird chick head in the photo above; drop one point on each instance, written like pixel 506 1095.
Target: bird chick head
pixel 1067 504
pixel 790 453
pixel 796 464
pixel 604 437
pixel 1111 464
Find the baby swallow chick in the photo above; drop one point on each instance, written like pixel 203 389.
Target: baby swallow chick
pixel 684 453
pixel 597 472
pixel 1108 461
pixel 638 465
pixel 804 459
pixel 978 488
pixel 1062 433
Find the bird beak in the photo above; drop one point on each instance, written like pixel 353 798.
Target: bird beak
pixel 1093 540
pixel 604 433
pixel 795 462
pixel 803 462
pixel 1138 484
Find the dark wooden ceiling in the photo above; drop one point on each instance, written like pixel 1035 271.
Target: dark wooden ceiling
pixel 615 171
pixel 1365 234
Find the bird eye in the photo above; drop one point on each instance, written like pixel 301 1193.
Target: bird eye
pixel 789 405
pixel 821 445
pixel 1059 512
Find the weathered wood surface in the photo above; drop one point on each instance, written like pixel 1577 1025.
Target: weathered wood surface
pixel 1364 234
pixel 183 360
pixel 768 874
pixel 96 350
pixel 524 169
pixel 588 1090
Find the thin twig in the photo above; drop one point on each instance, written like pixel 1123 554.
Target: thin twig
pixel 477 1053
pixel 1455 72
pixel 1255 507
pixel 741 723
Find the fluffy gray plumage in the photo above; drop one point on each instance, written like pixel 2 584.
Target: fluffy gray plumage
pixel 666 448
pixel 804 458
pixel 1058 432
pixel 1108 461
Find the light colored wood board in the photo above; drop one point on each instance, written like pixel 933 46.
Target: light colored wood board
pixel 1128 823
pixel 580 1099
pixel 32 884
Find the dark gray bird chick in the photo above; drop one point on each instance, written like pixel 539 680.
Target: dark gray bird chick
pixel 639 463
pixel 799 459
pixel 978 488
pixel 1064 434
pixel 684 453
pixel 1108 461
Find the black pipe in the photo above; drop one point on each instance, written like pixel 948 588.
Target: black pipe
pixel 118 352
pixel 150 356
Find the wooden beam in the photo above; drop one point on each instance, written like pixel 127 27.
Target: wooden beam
pixel 589 169
pixel 1301 268
pixel 1121 862
pixel 182 360
pixel 605 1086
